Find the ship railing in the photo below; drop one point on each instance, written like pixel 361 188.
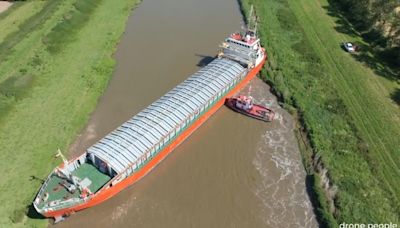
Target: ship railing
pixel 240 49
pixel 74 163
pixel 243 54
pixel 64 204
pixel 243 61
pixel 43 188
pixel 248 55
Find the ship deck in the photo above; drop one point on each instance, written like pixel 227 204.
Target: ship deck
pixel 93 174
pixel 143 135
pixel 57 191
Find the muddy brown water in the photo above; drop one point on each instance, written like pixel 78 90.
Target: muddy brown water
pixel 233 171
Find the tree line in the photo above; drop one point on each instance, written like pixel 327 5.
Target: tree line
pixel 378 21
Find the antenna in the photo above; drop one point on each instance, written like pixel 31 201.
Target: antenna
pixel 250 17
pixel 252 20
pixel 59 154
pixel 73 179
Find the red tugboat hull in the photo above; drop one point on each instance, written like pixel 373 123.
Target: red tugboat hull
pixel 257 111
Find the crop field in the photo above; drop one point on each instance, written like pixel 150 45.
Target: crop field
pixel 346 105
pixel 55 61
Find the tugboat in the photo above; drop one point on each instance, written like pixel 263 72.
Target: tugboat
pixel 246 106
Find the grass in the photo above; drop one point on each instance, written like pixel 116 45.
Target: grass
pixel 353 123
pixel 12 18
pixel 46 96
pixel 66 31
pixel 28 25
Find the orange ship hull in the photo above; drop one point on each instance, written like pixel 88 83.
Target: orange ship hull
pixel 105 194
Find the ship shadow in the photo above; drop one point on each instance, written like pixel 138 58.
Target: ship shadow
pixel 205 59
pixel 32 213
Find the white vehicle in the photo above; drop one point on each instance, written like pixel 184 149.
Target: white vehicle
pixel 349 47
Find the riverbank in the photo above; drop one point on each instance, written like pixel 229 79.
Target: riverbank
pixel 53 68
pixel 348 123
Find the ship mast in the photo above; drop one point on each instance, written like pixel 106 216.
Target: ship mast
pixel 252 21
pixel 66 171
pixel 60 154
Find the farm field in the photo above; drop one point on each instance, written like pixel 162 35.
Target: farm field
pixel 55 61
pixel 345 105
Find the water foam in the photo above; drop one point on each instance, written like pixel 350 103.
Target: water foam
pixel 282 188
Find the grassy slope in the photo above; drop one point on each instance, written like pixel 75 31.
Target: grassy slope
pixel 367 98
pixel 353 124
pixel 10 23
pixel 64 90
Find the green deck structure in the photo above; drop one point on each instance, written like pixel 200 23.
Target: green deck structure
pixel 93 174
pixel 57 191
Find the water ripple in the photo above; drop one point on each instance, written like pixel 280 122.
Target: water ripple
pixel 282 188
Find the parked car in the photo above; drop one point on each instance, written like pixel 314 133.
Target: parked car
pixel 349 47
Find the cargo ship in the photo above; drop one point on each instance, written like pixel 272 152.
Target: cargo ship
pixel 132 150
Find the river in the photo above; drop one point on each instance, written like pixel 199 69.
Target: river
pixel 233 171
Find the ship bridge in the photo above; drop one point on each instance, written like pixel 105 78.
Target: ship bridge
pixel 243 49
pixel 133 143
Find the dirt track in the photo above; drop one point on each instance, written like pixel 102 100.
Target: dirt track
pixel 4 5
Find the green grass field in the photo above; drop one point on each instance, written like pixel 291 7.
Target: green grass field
pixel 10 21
pixel 55 61
pixel 346 106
